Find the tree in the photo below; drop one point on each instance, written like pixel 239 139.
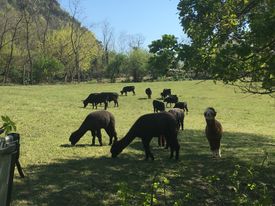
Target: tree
pixel 116 65
pixel 107 41
pixel 87 49
pixel 235 41
pixel 137 64
pixel 46 69
pixel 164 55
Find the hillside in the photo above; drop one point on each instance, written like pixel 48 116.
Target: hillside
pixel 46 9
pixel 40 42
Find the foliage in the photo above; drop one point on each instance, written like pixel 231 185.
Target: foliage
pixel 8 125
pixel 33 30
pixel 137 64
pixel 233 41
pixel 164 55
pixel 46 69
pixel 243 189
pixel 116 66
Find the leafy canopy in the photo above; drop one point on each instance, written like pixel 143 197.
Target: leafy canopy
pixel 235 40
pixel 164 57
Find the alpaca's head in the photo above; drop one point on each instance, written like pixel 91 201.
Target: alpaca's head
pixel 210 113
pixel 74 138
pixel 116 149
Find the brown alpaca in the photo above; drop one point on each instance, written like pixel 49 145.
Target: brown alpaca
pixel 213 131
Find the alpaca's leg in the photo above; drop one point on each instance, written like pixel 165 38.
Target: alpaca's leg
pixel 176 147
pixel 110 130
pixel 171 152
pixel 99 136
pixel 93 136
pixel 161 141
pixel 146 142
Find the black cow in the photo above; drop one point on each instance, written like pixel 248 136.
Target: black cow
pixel 95 99
pixel 165 93
pixel 181 105
pixel 128 89
pixel 111 96
pixel 171 99
pixel 148 91
pixel 158 106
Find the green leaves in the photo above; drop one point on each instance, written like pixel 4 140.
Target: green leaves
pixel 165 53
pixel 8 125
pixel 233 39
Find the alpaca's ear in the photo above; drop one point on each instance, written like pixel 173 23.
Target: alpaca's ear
pixel 214 111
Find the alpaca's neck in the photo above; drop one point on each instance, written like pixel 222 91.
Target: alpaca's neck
pixel 210 122
pixel 127 139
pixel 81 130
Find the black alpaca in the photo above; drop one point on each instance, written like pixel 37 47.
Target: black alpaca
pixel 94 122
pixel 148 126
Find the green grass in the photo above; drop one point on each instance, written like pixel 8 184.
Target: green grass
pixel 57 174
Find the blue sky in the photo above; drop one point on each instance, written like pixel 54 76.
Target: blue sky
pixel 149 18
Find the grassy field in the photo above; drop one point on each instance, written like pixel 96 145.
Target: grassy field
pixel 57 174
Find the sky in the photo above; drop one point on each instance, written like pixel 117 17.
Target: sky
pixel 148 18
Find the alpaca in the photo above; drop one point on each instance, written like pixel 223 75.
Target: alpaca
pixel 179 114
pixel 94 122
pixel 213 131
pixel 148 126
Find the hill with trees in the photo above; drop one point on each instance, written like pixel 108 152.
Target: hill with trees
pixel 39 42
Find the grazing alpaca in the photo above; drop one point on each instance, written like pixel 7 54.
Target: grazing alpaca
pixel 179 114
pixel 148 91
pixel 148 126
pixel 213 131
pixel 94 122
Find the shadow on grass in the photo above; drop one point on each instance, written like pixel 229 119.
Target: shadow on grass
pixel 95 181
pixel 80 145
pixel 143 98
